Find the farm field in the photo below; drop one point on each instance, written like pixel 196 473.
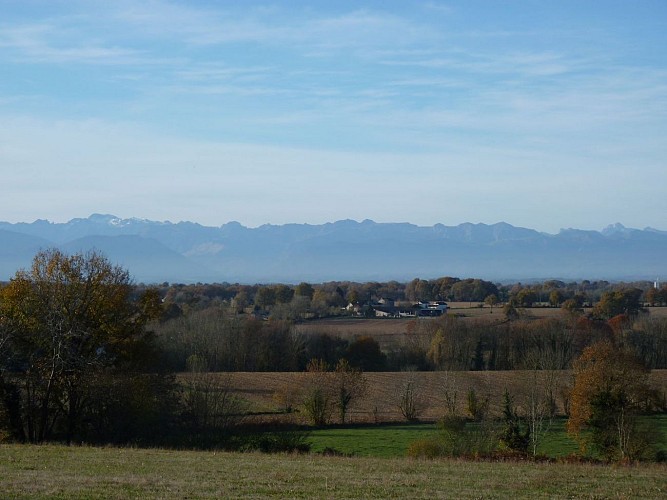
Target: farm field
pixel 263 390
pixel 390 331
pixel 52 471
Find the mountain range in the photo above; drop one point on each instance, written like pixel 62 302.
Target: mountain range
pixel 187 252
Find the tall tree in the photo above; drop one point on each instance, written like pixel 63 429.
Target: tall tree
pixel 283 294
pixel 265 296
pixel 491 300
pixel 625 301
pixel 610 390
pixel 305 290
pixel 71 317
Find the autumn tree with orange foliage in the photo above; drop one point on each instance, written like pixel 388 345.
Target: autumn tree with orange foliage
pixel 611 389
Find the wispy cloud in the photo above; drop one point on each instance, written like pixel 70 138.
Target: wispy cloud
pixel 44 43
pixel 310 32
pixel 332 96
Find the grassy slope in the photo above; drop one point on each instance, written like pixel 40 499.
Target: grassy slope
pixel 60 472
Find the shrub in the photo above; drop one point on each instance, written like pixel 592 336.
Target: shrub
pixel 462 438
pixel 271 437
pixel 458 438
pixel 512 437
pixel 425 448
pixel 284 442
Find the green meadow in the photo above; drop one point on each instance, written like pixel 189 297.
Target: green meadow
pixel 392 441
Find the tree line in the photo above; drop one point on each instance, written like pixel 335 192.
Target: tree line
pixel 307 301
pixel 233 342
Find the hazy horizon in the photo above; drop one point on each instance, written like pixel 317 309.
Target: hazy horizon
pixel 155 252
pixel 359 221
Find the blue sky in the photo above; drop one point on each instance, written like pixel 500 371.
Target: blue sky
pixel 541 114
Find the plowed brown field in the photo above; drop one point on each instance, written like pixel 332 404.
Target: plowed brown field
pixel 259 389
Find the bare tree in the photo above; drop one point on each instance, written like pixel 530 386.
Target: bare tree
pixel 350 385
pixel 450 394
pixel 538 409
pixel 410 400
pixel 209 401
pixel 549 353
pixel 317 400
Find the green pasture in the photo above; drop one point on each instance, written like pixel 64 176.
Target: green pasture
pixel 383 441
pixel 387 441
pixel 390 441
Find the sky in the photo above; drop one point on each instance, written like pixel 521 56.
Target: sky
pixel 545 115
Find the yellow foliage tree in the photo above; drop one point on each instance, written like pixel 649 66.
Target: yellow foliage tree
pixel 610 390
pixel 66 319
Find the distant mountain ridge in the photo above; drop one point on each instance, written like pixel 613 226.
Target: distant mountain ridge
pixel 344 250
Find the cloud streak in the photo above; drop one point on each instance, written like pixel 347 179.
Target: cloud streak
pixel 286 112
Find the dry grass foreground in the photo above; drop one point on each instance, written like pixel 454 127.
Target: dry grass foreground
pixel 264 390
pixel 62 472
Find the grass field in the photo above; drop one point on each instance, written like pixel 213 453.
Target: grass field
pixel 71 473
pixel 392 441
pixel 385 441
